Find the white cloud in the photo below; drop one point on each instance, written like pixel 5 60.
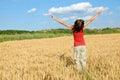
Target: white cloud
pixel 32 10
pixel 95 9
pixel 69 18
pixel 76 17
pixel 46 14
pixel 75 7
pixel 82 10
pixel 87 17
pixel 81 7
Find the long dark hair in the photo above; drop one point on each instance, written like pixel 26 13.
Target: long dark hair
pixel 78 25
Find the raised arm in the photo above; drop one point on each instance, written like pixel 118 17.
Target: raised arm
pixel 92 18
pixel 62 22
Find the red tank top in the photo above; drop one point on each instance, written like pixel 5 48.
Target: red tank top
pixel 79 38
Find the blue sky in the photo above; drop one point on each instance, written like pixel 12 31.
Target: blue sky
pixel 34 14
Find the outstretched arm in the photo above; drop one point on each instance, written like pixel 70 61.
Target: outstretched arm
pixel 62 22
pixel 92 18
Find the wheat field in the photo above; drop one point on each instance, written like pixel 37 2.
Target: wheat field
pixel 52 59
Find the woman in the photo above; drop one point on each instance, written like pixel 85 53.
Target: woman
pixel 79 43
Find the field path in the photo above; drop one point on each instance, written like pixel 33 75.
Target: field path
pixel 52 58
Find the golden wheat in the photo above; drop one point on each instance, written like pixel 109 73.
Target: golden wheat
pixel 52 59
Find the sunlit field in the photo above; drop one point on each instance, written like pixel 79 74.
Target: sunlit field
pixel 52 59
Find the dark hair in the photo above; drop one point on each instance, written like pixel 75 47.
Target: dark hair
pixel 78 25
